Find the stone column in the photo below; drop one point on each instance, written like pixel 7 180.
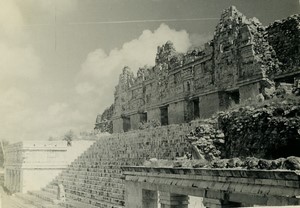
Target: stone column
pixel 137 197
pixel 13 188
pixel 18 181
pixel 150 199
pixel 169 200
pixel 9 180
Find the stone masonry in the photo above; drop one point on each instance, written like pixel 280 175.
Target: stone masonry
pixel 241 62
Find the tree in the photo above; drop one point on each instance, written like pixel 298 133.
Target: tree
pixel 69 136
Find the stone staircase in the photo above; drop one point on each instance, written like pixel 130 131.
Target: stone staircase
pixel 36 199
pixel 95 178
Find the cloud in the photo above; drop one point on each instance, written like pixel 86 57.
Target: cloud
pixel 135 53
pixel 11 20
pixel 18 62
pixel 22 116
pixel 18 59
pixel 20 66
pixel 101 70
pixel 57 108
pixel 200 39
pixel 25 113
pixel 83 88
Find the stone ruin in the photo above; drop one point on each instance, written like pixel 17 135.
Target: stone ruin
pixel 103 121
pixel 130 169
pixel 244 61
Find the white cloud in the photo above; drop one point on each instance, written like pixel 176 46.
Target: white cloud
pixel 18 62
pixel 20 66
pixel 22 116
pixel 83 88
pixel 102 70
pixel 200 39
pixel 136 53
pixel 17 58
pixel 57 108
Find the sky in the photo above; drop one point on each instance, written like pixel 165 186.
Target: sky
pixel 60 59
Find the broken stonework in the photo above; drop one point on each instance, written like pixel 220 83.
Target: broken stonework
pixel 207 141
pixel 103 121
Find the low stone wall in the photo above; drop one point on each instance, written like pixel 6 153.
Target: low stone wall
pixel 218 187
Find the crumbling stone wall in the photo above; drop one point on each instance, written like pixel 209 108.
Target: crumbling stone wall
pixel 104 122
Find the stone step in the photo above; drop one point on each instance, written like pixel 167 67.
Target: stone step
pixel 16 202
pixel 36 201
pixel 76 204
pixel 47 196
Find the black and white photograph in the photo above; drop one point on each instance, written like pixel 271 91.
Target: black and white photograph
pixel 149 103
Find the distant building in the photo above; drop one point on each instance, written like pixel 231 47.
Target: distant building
pixel 31 165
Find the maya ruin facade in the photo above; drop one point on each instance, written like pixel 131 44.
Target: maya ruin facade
pixel 244 61
pixel 242 158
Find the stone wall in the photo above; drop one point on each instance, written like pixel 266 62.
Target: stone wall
pixel 242 55
pixel 209 104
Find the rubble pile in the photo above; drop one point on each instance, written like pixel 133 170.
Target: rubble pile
pixel 289 163
pixel 208 142
pixel 269 131
pixel 287 49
